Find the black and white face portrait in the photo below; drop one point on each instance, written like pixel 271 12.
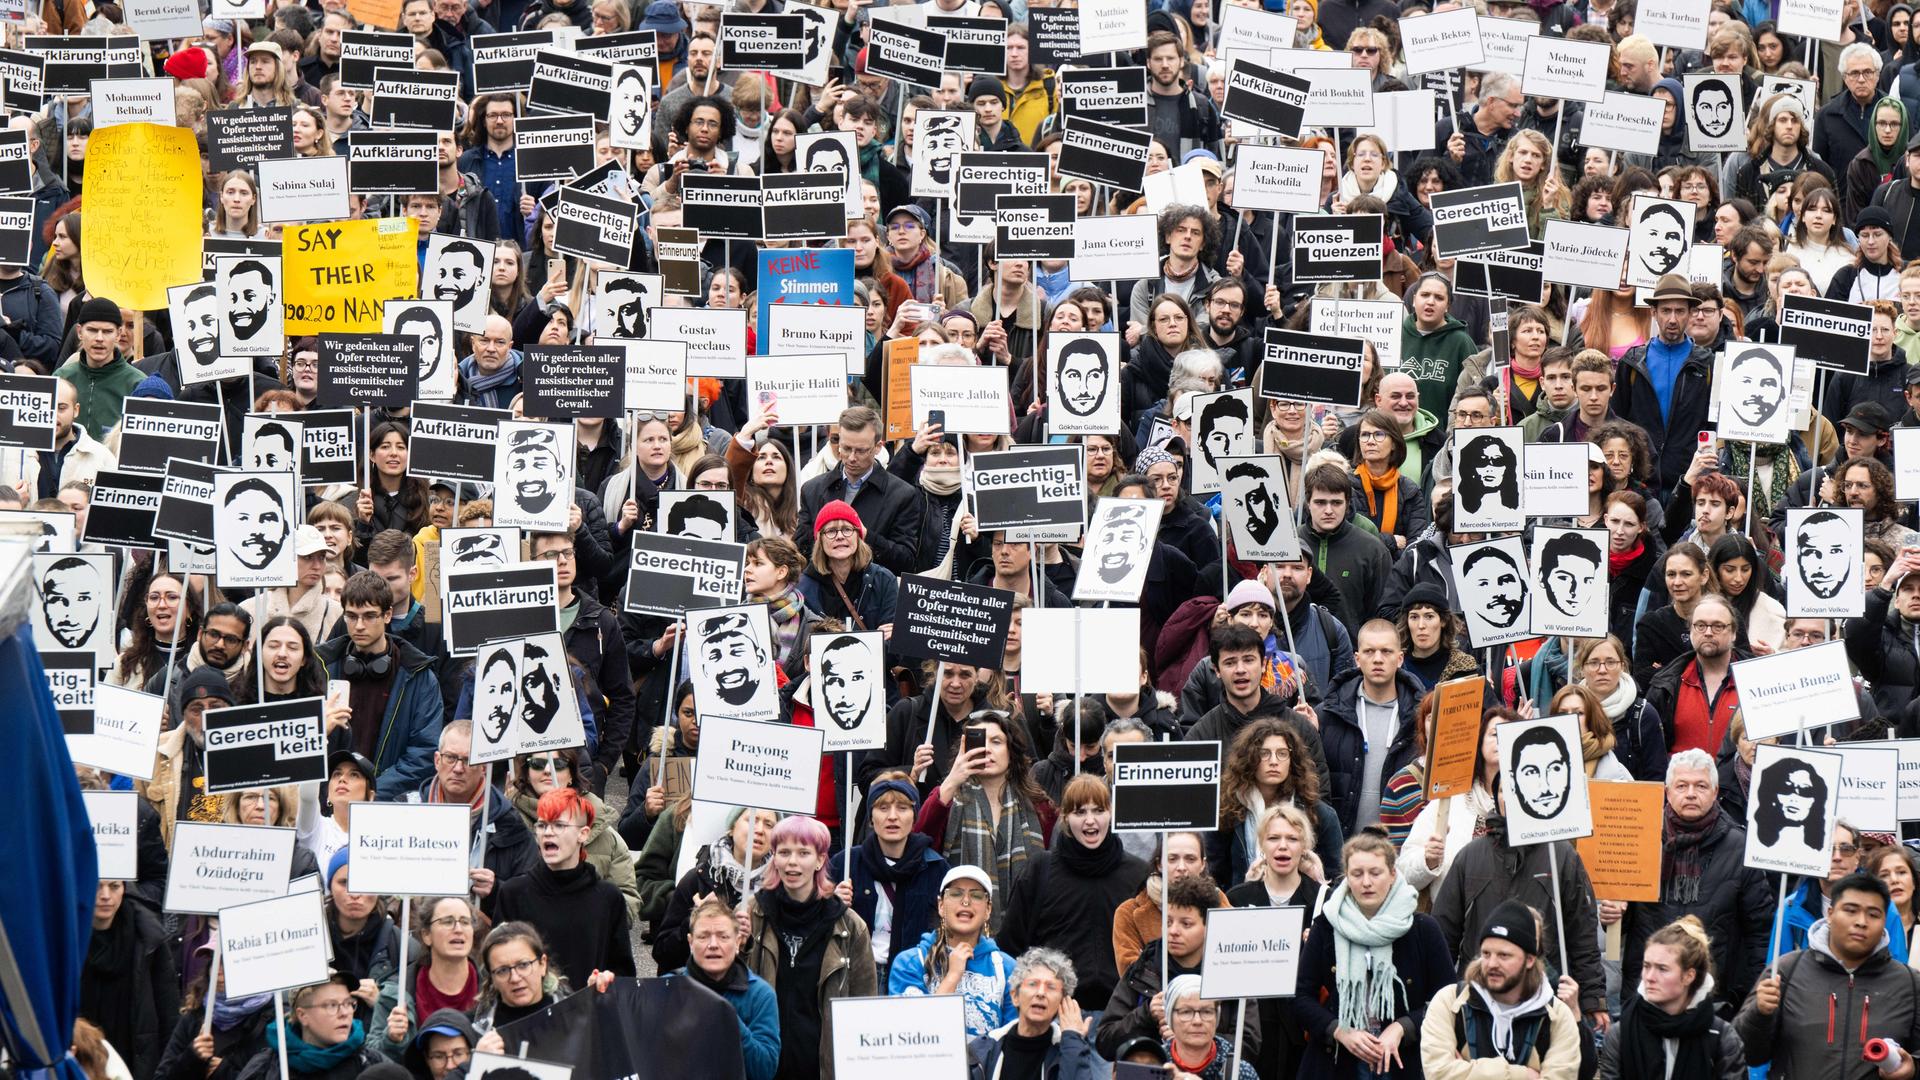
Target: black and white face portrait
pixel 533 475
pixel 1255 498
pixel 1662 232
pixel 523 699
pixel 702 515
pixel 848 688
pixel 195 310
pixel 254 515
pixel 832 151
pixel 74 593
pixel 1083 370
pixel 1826 573
pixel 1751 384
pixel 496 692
pixel 1569 566
pixel 1495 592
pixel 1711 106
pixel 274 446
pixel 1543 781
pixel 1222 428
pixel 632 108
pixel 459 271
pixel 542 686
pixel 249 287
pixel 432 322
pixel 939 139
pixel 1542 772
pixel 1082 375
pixel 1487 480
pixel 1793 808
pixel 733 662
pixel 1119 546
pixel 620 307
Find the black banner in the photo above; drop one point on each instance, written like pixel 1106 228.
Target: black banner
pixel 16 171
pixel 1514 275
pixel 1833 334
pixel 260 746
pixel 153 431
pixel 721 207
pixel 632 47
pixel 242 138
pixel 1164 786
pixel 763 42
pixel 72 63
pixel 1108 95
pixel 669 575
pixel 679 255
pixel 363 51
pixel 1056 37
pixel 121 510
pixel 368 369
pixel 553 147
pixel 905 53
pixel 571 381
pixel 651 1029
pixel 1104 154
pixel 503 63
pixel 1034 226
pixel 566 83
pixel 489 603
pixel 393 162
pixel 1337 247
pixel 1314 368
pixel 952 622
pixel 1031 488
pixel 804 205
pixel 1266 98
pixel 16 229
pixel 23 73
pixel 71 677
pixel 186 502
pixel 976 45
pixel 1472 221
pixel 453 442
pixel 596 227
pixel 27 405
pixel 413 98
pixel 329 450
pixel 213 247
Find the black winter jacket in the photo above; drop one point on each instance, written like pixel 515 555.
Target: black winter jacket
pixel 888 506
pixel 1634 399
pixel 1884 654
pixel 597 643
pixel 1735 904
pixel 1345 740
pixel 1068 904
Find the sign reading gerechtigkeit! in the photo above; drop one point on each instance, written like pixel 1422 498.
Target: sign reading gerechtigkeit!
pixel 1266 97
pixel 1034 226
pixel 596 227
pixel 1163 786
pixel 259 746
pixel 499 602
pixel 1105 154
pixel 1834 334
pixel 27 411
pixel 670 574
pixel 1337 248
pixel 1028 488
pixel 1314 368
pixel 721 207
pixel 1481 219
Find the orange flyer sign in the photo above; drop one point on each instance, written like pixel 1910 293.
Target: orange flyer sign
pixel 1455 739
pixel 1623 854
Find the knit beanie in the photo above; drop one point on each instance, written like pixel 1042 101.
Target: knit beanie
pixel 188 63
pixel 838 510
pixel 1513 921
pixel 1250 592
pixel 153 386
pixel 1426 594
pixel 97 309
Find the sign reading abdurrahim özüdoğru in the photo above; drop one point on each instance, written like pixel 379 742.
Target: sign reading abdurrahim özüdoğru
pixel 261 746
pixel 949 621
pixel 368 369
pixel 1034 226
pixel 499 602
pixel 406 98
pixel 152 431
pixel 1314 368
pixel 573 381
pixel 1337 248
pixel 1104 154
pixel 216 865
pixel 1476 220
pixel 596 227
pixel 453 442
pixel 804 205
pixel 1161 786
pixel 1029 487
pixel 669 575
pixel 721 207
pixel 121 510
pixel 1834 334
pixel 1266 97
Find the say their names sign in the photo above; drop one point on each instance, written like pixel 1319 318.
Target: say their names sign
pixel 216 866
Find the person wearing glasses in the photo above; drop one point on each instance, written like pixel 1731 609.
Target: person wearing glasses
pixel 583 917
pixel 324 1041
pixel 1696 690
pixel 889 507
pixel 510 849
pixel 1639 741
pixel 222 644
pixel 537 774
pixel 1839 126
pixel 958 957
pixel 519 981
pixel 440 976
pixel 445 1043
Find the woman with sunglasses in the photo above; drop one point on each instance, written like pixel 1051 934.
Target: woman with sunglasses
pixel 440 976
pixel 536 774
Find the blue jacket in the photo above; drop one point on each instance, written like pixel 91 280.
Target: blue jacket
pixel 1070 1057
pixel 758 1007
pixel 913 900
pixel 410 732
pixel 986 990
pixel 1806 906
pixel 879 592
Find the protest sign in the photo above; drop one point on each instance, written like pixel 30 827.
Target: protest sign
pixel 499 602
pixel 16 172
pixel 979 181
pixel 253 519
pixel 1112 26
pixel 114 817
pixel 813 276
pixel 72 604
pixel 678 252
pixel 1555 67
pixel 1570 575
pixel 1682 24
pixel 250 290
pixel 196 311
pixel 939 137
pixel 1078 650
pixel 801 389
pixel 1254 499
pixel 974 400
pixel 722 207
pixel 269 442
pixel 847 674
pixel 405 97
pixel 272 945
pixel 1338 248
pixel 242 138
pixel 1554 483
pixel 1751 383
pixel 453 442
pixel 1375 321
pixel 1223 427
pixel 533 476
pixel 1454 743
pixel 145 183
pixel 524 700
pixel 656 375
pixel 1493 587
pixel 1909 785
pixel 1628 123
pixel 1541 771
pixel 1034 226
pixel 430 322
pixel 811 329
pixel 1826 562
pixel 159 20
pixel 716 339
pixel 503 63
pixel 1106 154
pixel 573 381
pixel 23 73
pixel 1803 688
pixel 122 509
pixel 1869 787
pixel 1716 112
pixel 1083 383
pixel 381 370
pixel 1580 254
pixel 329 451
pixel 1517 275
pixel 597 227
pixel 1028 487
pixel 1125 248
pixel 1481 219
pixel 408 849
pixel 763 765
pixel 1311 367
pixel 885 1038
pixel 556 147
pixel 1659 233
pixel 399 162
pixel 1619 858
pixel 70 679
pixel 1118 551
pixel 1253 952
pixel 1834 334
pixel 1056 38
pixel 1792 809
pixel 261 746
pixel 215 866
pixel 1820 19
pixel 913 56
pixel 131 101
pixel 298 189
pixel 27 411
pixel 952 622
pixel 153 431
pixel 1504 44
pixel 1265 97
pixel 364 52
pixel 762 41
pixel 730 652
pixel 1109 95
pixel 339 273
pixel 73 62
pixel 1441 41
pixel 568 82
pixel 974 44
pixel 1339 96
pixel 669 575
pixel 1487 491
pixel 804 205
pixel 1165 786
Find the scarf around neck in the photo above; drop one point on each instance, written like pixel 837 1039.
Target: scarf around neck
pixel 1385 186
pixel 1682 860
pixel 940 479
pixel 922 273
pixel 784 612
pixel 974 839
pixel 725 870
pixel 1618 561
pixel 1615 704
pixel 1383 496
pixel 230 1013
pixel 304 1057
pixel 1647 1030
pixel 1364 974
pixel 1593 749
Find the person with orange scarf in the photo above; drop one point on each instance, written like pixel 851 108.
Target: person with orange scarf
pixel 1394 503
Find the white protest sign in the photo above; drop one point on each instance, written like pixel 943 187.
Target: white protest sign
pixel 1809 687
pixel 126 728
pixel 1112 26
pixel 159 19
pixel 1252 952
pixel 817 328
pixel 1254 29
pixel 975 398
pixel 1543 774
pixel 1375 321
pixel 1450 39
pixel 409 849
pixel 801 390
pixel 1906 463
pixel 1555 484
pixel 716 339
pixel 1338 97
pixel 886 1038
pixel 1278 178
pixel 1585 256
pixel 217 866
pixel 1629 123
pixel 115 817
pixel 1403 118
pixel 1909 788
pixel 1810 18
pixel 1791 809
pixel 132 101
pixel 1682 24
pixel 1176 185
pixel 303 189
pixel 1125 248
pixel 1505 43
pixel 847 674
pixel 1556 67
pixel 1105 662
pixel 276 944
pixel 1870 787
pixel 753 763
pixel 656 374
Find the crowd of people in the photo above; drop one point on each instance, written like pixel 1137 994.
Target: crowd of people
pixel 975 854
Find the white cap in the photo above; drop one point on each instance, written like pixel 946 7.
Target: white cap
pixel 307 541
pixel 967 872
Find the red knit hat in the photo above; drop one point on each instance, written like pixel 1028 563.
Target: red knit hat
pixel 837 510
pixel 188 63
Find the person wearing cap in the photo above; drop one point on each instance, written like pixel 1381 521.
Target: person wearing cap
pixel 269 78
pixel 1665 385
pixel 349 780
pixel 324 1039
pixel 97 369
pixel 179 768
pixel 957 956
pixel 886 509
pixel 1050 1038
pixel 305 600
pixel 716 965
pixel 76 455
pixel 892 878
pixel 988 97
pixel 1504 1012
pixel 669 27
pixel 1873 274
pixel 444 1043
pixel 1784 138
pixel 910 245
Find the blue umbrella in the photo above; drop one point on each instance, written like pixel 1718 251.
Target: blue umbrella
pixel 46 900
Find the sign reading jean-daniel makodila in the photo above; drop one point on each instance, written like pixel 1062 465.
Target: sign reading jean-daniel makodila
pixel 1314 368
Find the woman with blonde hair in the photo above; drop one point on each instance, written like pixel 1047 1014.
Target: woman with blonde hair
pixel 1669 1027
pixel 1528 159
pixel 310 138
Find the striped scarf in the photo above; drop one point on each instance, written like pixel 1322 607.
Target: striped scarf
pixel 973 839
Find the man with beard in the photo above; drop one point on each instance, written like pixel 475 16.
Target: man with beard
pixel 1188 236
pixel 1258 515
pixel 422 323
pixel 704 125
pixel 250 298
pixel 269 81
pixel 941 144
pixel 1697 688
pixel 1758 389
pixel 1492 575
pixel 497 689
pixel 1081 377
pixel 273 448
pixel 256 524
pixel 1665 386
pixel 1569 563
pixel 201 324
pixel 70 600
pixel 1507 980
pixel 732 658
pixel 490 156
pixel 594 641
pixel 1660 239
pixel 693 79
pixel 1122 542
pixel 1712 108
pixel 1180 116
pixel 539 688
pixel 1320 637
pixel 1225 430
pixel 457 271
pixel 1224 329
pixel 626 301
pixel 1823 553
pixel 1542 773
pixel 632 112
pixel 847 683
pixel 534 472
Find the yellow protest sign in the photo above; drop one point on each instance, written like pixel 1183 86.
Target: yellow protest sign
pixel 143 213
pixel 339 273
pixel 1454 741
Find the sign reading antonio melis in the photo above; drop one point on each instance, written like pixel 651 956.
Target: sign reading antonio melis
pixel 1314 368
pixel 499 602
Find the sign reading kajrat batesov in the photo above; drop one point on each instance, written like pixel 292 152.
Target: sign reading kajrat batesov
pixel 1312 368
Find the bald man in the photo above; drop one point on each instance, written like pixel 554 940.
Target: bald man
pixel 490 374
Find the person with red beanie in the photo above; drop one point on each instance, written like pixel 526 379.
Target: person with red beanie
pixel 842 581
pixel 889 507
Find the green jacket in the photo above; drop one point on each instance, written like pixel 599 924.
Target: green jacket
pixel 1424 422
pixel 1434 360
pixel 654 875
pixel 103 391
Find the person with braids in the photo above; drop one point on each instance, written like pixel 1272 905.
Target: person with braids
pixel 989 811
pixel 1670 1028
pixel 1268 765
pixel 958 957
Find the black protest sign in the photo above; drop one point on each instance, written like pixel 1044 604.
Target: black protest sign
pixel 599 228
pixel 1265 97
pixel 564 82
pixel 242 138
pixel 906 54
pixel 1034 226
pixel 721 207
pixel 553 147
pixel 121 510
pixel 1833 334
pixel 362 52
pixel 975 45
pixel 1056 37
pixel 1030 488
pixel 213 247
pixel 1162 786
pixel 1512 275
pixel 1104 154
pixel 16 172
pixel 260 746
pixel 368 369
pixel 1109 95
pixel 503 63
pixel 453 442
pixel 573 381
pixel 1343 248
pixel 72 63
pixel 186 502
pixel 983 177
pixel 1472 221
pixel 669 575
pixel 22 73
pixel 633 47
pixel 414 98
pixel 952 622
pixel 763 42
pixel 678 251
pixel 804 205
pixel 152 431
pixel 393 162
pixel 71 679
pixel 1315 368
pixel 329 450
pixel 27 411
pixel 499 602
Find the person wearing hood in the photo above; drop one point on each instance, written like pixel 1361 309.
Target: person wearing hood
pixel 365 942
pixel 1880 161
pixel 1815 1013
pixel 490 374
pixel 1665 385
pixel 1367 724
pixel 96 369
pixel 1673 134
pixel 719 869
pixel 440 974
pixel 324 1039
pixel 716 965
pixel 537 774
pixel 583 918
pixel 180 759
pixel 1505 1012
pixel 237 1032
pixel 1078 725
pixel 1433 345
pixel 892 878
pixel 1671 1028
pixel 445 1043
pixel 1898 197
pixel 128 986
pixel 1353 559
pixel 958 957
